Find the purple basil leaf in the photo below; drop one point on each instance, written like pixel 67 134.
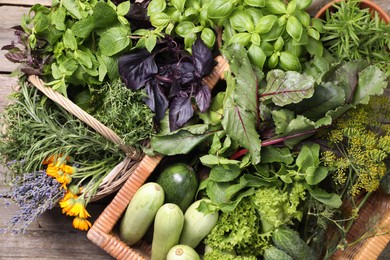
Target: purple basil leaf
pixel 180 111
pixel 175 89
pixel 202 58
pixel 185 72
pixel 156 99
pixel 138 17
pixel 137 68
pixel 15 56
pixel 203 98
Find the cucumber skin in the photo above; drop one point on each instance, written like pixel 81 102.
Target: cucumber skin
pixel 140 212
pixel 168 225
pixel 197 225
pixel 289 241
pixel 273 253
pixel 188 253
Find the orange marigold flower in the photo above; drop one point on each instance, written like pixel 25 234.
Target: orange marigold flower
pixel 68 169
pixel 53 158
pixel 81 223
pixel 78 209
pixel 69 195
pixel 52 170
pixel 67 204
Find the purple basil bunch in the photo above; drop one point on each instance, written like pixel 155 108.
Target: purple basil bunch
pixel 172 79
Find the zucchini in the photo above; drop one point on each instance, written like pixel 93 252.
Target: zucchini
pixel 140 212
pixel 168 225
pixel 182 252
pixel 197 225
pixel 289 241
pixel 180 184
pixel 273 253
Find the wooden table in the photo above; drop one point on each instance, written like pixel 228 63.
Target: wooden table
pixel 52 236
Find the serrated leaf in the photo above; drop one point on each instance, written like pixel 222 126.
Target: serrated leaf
pixel 83 28
pixel 114 40
pixel 284 88
pixel 58 18
pixel 104 16
pixel 69 40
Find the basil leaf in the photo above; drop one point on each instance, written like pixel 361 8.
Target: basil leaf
pixel 123 8
pixel 159 20
pixel 255 3
pixel 183 28
pixel 276 6
pixel 178 4
pixel 289 61
pixel 240 21
pixel 156 6
pixel 114 40
pixel 218 9
pixel 257 56
pixel 240 38
pixel 294 28
pixel 208 37
pixel 265 23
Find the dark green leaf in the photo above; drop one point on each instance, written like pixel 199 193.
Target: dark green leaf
pixel 224 173
pixel 270 154
pixel 179 142
pixel 330 199
pixel 308 157
pixel 314 175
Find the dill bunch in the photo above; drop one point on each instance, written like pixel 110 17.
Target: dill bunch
pixel 362 141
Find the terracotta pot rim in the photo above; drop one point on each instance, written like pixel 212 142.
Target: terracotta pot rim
pixel 371 5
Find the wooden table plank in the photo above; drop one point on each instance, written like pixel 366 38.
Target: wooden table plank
pixel 25 2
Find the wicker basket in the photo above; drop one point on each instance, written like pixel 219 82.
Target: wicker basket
pixel 121 172
pixel 103 232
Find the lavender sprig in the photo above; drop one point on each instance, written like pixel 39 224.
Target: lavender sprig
pixel 34 193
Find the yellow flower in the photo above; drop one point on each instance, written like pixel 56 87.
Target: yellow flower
pixel 67 204
pixel 52 170
pixel 78 209
pixel 68 169
pixel 81 223
pixel 64 179
pixel 53 158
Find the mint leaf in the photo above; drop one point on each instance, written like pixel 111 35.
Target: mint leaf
pixel 224 173
pixel 69 40
pixel 104 16
pixel 114 40
pixel 58 18
pixel 83 28
pixel 72 8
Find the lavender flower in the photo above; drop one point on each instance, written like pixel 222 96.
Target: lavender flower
pixel 34 193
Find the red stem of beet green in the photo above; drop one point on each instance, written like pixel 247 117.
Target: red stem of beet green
pixel 244 151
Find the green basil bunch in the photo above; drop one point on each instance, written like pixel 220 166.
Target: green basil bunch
pixel 275 33
pixel 186 18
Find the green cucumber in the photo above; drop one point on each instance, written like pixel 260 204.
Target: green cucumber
pixel 182 252
pixel 168 225
pixel 140 212
pixel 289 241
pixel 197 225
pixel 273 253
pixel 180 184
